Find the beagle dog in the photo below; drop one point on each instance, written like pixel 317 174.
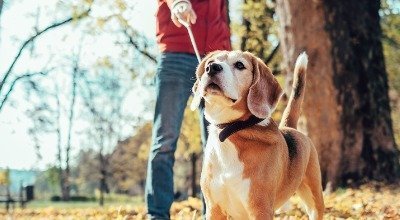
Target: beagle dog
pixel 251 165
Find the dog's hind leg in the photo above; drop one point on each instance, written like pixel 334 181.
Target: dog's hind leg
pixel 312 202
pixel 310 190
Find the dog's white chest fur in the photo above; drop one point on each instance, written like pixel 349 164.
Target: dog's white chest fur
pixel 227 187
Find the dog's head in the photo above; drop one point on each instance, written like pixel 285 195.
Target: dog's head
pixel 235 84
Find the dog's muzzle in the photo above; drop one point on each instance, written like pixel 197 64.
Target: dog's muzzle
pixel 213 68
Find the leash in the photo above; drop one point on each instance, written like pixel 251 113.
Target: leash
pixel 191 36
pixel 229 128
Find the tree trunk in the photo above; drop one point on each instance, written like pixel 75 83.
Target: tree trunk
pixel 1 8
pixel 102 186
pixel 346 105
pixel 64 194
pixel 102 167
pixel 102 179
pixel 67 172
pixel 227 12
pixel 103 176
pixel 193 161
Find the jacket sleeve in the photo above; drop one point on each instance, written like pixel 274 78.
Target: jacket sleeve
pixel 169 3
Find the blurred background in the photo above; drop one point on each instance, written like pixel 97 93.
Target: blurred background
pixel 77 94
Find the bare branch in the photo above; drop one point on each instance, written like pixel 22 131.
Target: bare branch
pixel 273 53
pixel 392 42
pixel 136 46
pixel 58 132
pixel 1 7
pixel 29 75
pixel 90 96
pixel 32 38
pixel 276 71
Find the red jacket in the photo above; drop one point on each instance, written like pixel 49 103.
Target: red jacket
pixel 211 30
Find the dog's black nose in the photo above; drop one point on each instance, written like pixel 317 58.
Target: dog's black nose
pixel 213 69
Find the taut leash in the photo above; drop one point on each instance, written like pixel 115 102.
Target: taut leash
pixel 187 26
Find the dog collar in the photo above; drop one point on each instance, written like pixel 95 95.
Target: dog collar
pixel 230 128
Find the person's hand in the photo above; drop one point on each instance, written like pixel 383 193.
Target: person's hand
pixel 182 9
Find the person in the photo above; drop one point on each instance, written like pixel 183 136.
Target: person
pixel 174 79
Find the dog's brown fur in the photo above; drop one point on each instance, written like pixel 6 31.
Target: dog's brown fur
pixel 278 161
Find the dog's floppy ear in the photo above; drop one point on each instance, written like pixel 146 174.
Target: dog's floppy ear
pixel 199 72
pixel 264 92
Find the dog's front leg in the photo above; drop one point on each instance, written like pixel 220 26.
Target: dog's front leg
pixel 213 211
pixel 262 214
pixel 261 203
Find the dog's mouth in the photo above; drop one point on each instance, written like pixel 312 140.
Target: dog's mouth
pixel 215 89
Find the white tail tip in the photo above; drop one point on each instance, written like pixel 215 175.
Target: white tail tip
pixel 302 61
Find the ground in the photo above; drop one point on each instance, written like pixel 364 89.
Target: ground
pixel 372 201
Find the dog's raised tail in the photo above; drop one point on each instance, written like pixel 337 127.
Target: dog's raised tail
pixel 293 109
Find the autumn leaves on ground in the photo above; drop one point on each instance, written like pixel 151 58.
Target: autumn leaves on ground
pixel 372 201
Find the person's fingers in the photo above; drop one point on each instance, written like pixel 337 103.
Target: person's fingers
pixel 184 12
pixel 184 16
pixel 175 20
pixel 193 17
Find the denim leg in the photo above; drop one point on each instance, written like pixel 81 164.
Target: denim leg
pixel 204 136
pixel 203 125
pixel 173 85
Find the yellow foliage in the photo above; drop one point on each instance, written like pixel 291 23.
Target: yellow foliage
pixel 104 62
pixel 120 5
pixel 190 139
pixel 371 201
pixel 4 177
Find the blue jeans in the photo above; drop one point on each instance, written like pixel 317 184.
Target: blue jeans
pixel 174 80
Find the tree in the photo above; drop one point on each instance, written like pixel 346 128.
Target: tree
pixel 23 47
pixel 48 110
pixel 1 10
pixel 128 161
pixel 346 105
pixel 87 171
pixel 46 119
pixel 46 116
pixel 48 182
pixel 5 177
pixel 258 32
pixel 5 180
pixel 256 27
pixel 105 115
pixel 65 181
pixel 390 21
pixel 1 7
pixel 132 38
pixel 57 128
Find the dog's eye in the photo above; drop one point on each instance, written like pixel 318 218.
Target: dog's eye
pixel 239 65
